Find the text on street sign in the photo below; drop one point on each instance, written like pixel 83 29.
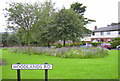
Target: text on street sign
pixel 31 66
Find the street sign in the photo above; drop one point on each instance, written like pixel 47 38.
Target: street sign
pixel 31 66
pixel 19 66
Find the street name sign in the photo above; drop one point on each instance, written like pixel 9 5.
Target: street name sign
pixel 31 66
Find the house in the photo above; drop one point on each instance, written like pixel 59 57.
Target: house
pixel 105 34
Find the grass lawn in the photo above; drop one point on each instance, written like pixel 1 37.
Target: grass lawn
pixel 63 68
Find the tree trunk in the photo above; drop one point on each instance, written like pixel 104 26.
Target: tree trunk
pixel 28 38
pixel 64 42
pixel 48 44
pixel 73 42
pixel 29 48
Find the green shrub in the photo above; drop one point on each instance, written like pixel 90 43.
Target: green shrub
pixel 117 38
pixel 73 44
pixel 78 44
pixel 115 43
pixel 58 45
pixel 13 40
pixel 69 44
pixel 52 44
pixel 95 43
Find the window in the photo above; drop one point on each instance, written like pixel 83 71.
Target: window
pixel 119 32
pixel 102 33
pixel 108 33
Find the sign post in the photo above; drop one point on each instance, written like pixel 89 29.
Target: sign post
pixel 19 67
pixel 18 73
pixel 46 74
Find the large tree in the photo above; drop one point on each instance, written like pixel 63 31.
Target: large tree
pixel 69 25
pixel 27 19
pixel 45 34
pixel 80 9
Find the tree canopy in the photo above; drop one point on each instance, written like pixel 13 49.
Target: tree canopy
pixel 38 22
pixel 68 24
pixel 80 9
pixel 27 19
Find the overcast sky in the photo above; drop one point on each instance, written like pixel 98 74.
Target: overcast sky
pixel 103 11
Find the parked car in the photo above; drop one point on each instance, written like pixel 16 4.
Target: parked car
pixel 106 45
pixel 118 47
pixel 86 45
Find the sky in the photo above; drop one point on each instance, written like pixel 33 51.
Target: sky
pixel 104 12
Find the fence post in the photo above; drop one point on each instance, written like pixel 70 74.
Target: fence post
pixel 18 73
pixel 46 74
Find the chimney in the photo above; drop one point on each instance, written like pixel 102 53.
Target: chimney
pixel 95 27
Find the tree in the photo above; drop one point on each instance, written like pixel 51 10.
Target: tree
pixel 27 18
pixel 20 34
pixel 13 40
pixel 80 9
pixel 69 25
pixel 49 33
pixel 5 36
pixel 45 35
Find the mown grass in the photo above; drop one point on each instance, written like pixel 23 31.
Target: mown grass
pixel 63 68
pixel 0 66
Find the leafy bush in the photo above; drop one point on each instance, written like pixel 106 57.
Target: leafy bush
pixel 77 44
pixel 13 40
pixel 117 38
pixel 69 44
pixel 95 43
pixel 65 52
pixel 115 43
pixel 58 45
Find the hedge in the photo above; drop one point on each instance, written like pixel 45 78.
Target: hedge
pixel 115 43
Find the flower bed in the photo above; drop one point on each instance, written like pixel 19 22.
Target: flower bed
pixel 65 52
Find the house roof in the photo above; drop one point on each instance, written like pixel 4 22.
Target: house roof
pixel 108 28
